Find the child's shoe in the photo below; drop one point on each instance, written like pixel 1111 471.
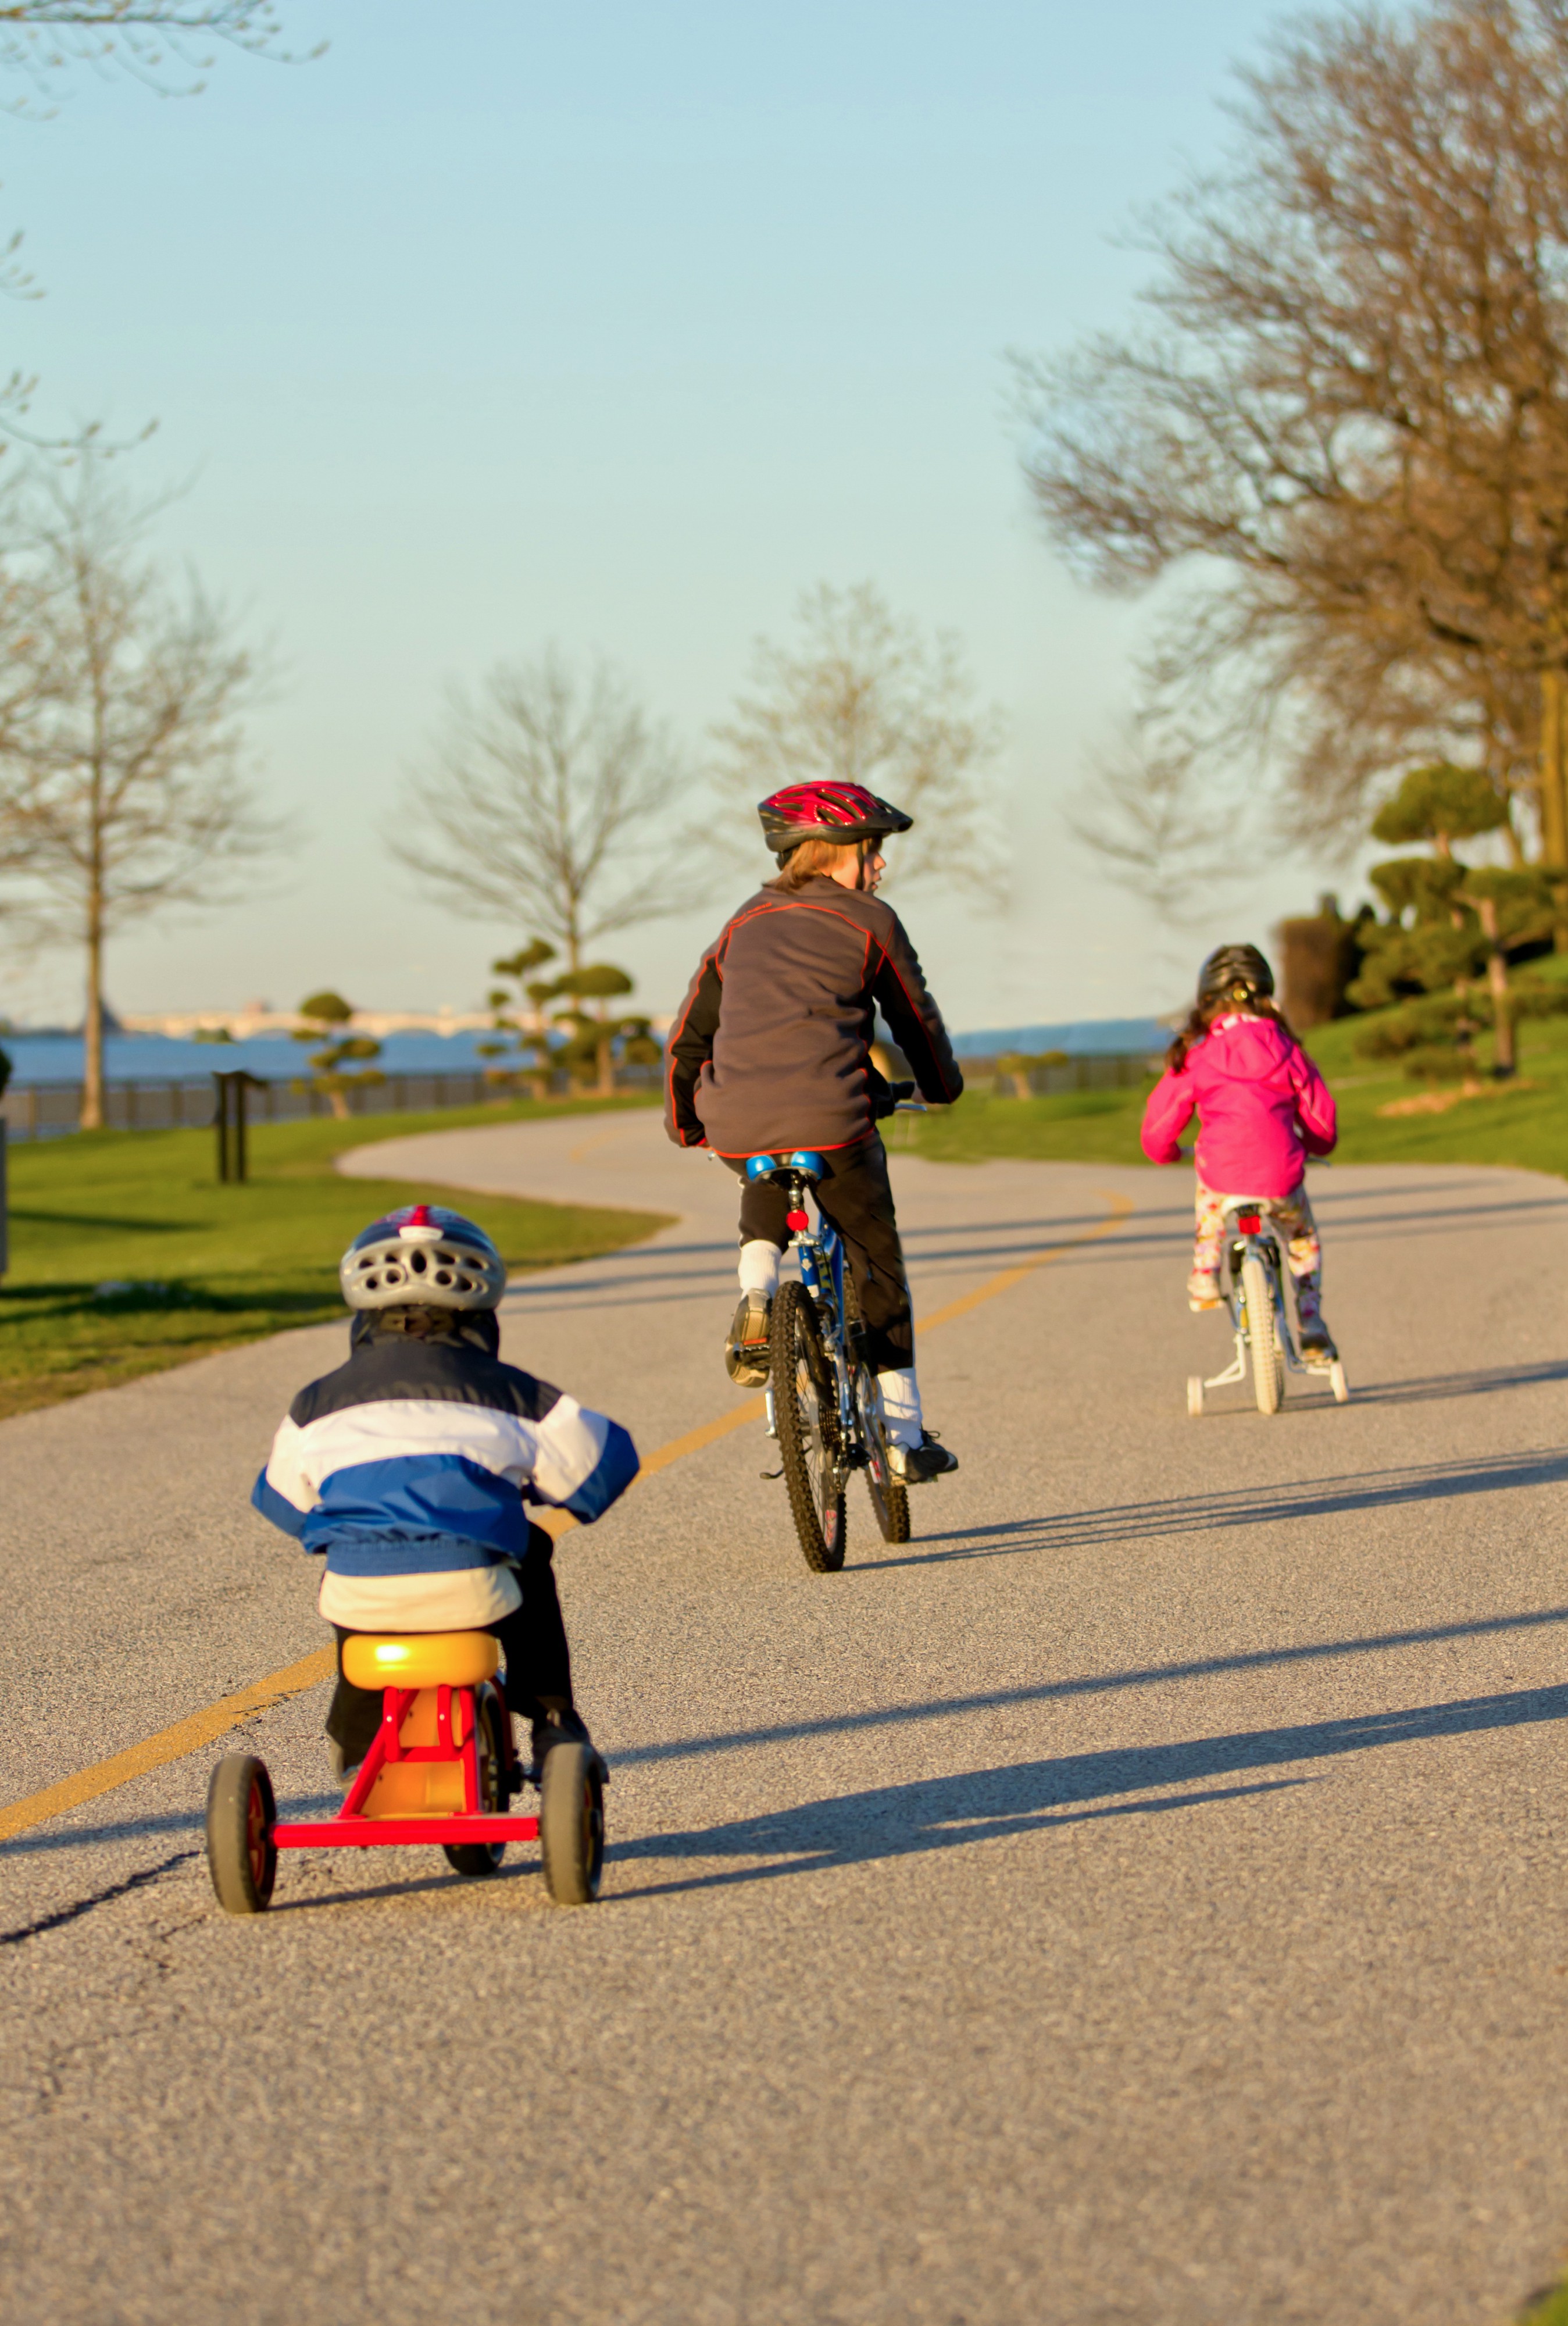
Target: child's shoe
pixel 1204 1289
pixel 745 1347
pixel 1317 1343
pixel 917 1465
pixel 563 1727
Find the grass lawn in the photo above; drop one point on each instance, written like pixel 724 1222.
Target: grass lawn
pixel 1524 1124
pixel 204 1267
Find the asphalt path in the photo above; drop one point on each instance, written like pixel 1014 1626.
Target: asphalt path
pixel 1141 1897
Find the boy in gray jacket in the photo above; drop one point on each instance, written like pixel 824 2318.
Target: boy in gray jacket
pixel 771 1051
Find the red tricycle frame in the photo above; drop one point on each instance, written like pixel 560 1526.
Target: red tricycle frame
pixel 457 1728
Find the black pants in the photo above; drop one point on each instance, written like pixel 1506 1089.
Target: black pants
pixel 857 1198
pixel 534 1651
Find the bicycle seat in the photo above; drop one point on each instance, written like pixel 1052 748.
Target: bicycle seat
pixel 805 1160
pixel 375 1660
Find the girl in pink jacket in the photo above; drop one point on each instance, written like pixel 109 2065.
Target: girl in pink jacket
pixel 1263 1109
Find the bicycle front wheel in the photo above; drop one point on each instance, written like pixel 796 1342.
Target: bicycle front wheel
pixel 1262 1335
pixel 805 1416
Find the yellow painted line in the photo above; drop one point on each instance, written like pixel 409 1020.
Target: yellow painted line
pixel 1121 1208
pixel 199 1728
pixel 600 1138
pixel 186 1736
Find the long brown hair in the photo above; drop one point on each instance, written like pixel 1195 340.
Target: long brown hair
pixel 1202 1015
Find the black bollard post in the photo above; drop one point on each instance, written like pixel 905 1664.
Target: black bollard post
pixel 229 1120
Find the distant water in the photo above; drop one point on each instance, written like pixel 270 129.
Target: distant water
pixel 160 1057
pixel 1083 1037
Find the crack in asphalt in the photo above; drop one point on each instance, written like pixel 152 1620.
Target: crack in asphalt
pixel 79 1906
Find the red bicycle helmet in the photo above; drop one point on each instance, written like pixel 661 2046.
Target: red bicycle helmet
pixel 827 811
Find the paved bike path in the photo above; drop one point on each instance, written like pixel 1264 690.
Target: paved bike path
pixel 1135 1898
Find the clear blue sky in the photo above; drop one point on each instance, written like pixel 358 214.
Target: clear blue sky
pixel 618 325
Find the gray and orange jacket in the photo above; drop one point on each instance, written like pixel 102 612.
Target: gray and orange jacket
pixel 772 1048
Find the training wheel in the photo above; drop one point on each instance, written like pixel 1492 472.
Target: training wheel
pixel 242 1856
pixel 1337 1383
pixel 1194 1394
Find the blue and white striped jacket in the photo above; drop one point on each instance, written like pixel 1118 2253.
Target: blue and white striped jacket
pixel 410 1466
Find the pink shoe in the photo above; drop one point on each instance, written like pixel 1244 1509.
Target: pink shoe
pixel 1204 1289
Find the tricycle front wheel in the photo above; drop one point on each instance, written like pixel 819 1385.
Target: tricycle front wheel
pixel 490 1715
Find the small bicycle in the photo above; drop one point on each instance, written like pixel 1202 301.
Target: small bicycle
pixel 1256 1300
pixel 823 1408
pixel 441 1770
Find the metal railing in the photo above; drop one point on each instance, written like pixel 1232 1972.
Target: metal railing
pixel 1107 1070
pixel 50 1109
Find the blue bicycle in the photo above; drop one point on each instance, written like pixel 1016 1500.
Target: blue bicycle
pixel 824 1409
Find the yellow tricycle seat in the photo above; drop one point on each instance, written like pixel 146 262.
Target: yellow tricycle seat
pixel 420 1659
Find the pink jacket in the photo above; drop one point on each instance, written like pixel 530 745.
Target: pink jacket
pixel 1265 1109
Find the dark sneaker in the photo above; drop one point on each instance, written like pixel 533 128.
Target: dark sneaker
pixel 916 1466
pixel 1317 1345
pixel 746 1344
pixel 562 1728
pixel 344 1770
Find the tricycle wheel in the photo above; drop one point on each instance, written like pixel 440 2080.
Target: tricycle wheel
pixel 476 1858
pixel 571 1823
pixel 1194 1395
pixel 242 1856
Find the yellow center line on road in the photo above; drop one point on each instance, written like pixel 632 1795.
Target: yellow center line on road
pixel 214 1720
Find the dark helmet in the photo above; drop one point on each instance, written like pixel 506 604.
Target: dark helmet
pixel 422 1256
pixel 1234 972
pixel 838 812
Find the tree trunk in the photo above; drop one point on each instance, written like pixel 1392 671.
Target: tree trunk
pixel 607 1067
pixel 1504 1059
pixel 92 1095
pixel 1553 793
pixel 340 1107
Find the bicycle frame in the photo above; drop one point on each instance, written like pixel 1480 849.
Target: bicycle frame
pixel 820 1255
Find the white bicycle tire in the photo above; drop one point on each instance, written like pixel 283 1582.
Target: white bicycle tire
pixel 1262 1336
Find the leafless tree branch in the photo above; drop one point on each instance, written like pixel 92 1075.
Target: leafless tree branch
pixel 548 806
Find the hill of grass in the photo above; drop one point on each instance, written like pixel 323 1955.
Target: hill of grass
pixel 126 1256
pixel 1523 1122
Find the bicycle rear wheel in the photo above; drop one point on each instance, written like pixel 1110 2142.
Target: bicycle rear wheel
pixel 805 1416
pixel 889 1499
pixel 1262 1335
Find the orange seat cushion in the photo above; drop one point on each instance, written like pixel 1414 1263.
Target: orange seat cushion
pixel 377 1660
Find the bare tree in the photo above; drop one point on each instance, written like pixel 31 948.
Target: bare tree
pixel 164 44
pixel 864 697
pixel 1349 418
pixel 120 787
pixel 146 38
pixel 548 806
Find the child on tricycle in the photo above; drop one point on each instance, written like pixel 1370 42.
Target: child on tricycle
pixel 407 1471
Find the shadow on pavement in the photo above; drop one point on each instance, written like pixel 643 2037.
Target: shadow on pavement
pixel 1479 1383
pixel 1246 1506
pixel 948 1813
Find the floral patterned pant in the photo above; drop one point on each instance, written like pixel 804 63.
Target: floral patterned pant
pixel 1293 1214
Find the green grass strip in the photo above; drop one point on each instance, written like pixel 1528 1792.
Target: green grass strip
pixel 205 1267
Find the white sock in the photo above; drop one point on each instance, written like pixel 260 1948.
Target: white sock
pixel 758 1269
pixel 900 1394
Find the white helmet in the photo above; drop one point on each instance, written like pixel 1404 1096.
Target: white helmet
pixel 422 1257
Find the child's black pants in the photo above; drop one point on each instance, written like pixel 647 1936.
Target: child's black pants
pixel 534 1651
pixel 857 1198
